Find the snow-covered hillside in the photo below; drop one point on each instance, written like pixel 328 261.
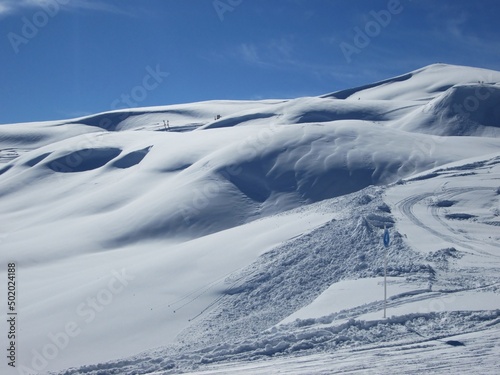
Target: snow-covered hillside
pixel 252 242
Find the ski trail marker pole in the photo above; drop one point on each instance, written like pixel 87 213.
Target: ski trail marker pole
pixel 386 245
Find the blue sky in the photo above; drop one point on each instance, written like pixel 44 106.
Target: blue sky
pixel 76 57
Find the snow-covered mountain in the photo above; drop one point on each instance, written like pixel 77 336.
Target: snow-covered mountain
pixel 247 237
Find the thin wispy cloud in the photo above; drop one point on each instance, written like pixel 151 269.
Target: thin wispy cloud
pixel 7 7
pixel 448 21
pixel 282 54
pixel 102 6
pixel 454 26
pixel 274 53
pixel 11 7
pixel 248 52
pixel 456 31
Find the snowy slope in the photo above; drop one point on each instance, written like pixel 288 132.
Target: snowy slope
pixel 256 236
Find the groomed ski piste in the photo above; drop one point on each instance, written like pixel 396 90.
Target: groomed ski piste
pixel 252 243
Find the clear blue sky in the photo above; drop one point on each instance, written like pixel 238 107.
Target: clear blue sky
pixel 77 57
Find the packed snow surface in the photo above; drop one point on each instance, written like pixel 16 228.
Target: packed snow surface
pixel 246 237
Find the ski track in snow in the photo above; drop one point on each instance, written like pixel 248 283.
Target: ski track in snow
pixel 462 239
pixel 478 357
pixel 375 347
pixel 455 237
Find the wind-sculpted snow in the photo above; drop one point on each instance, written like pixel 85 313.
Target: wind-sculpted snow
pixel 180 115
pixel 18 139
pixel 423 84
pixel 246 230
pixel 132 158
pixel 84 160
pixel 233 170
pixel 344 94
pixel 316 110
pixel 462 110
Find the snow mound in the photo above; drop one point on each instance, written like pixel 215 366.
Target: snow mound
pixel 181 117
pixel 315 110
pixel 420 85
pixel 462 110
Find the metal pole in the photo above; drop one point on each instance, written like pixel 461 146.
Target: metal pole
pixel 385 281
pixel 385 271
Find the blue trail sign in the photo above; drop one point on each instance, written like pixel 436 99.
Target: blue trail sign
pixel 386 237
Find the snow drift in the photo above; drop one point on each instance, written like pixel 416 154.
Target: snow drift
pixel 462 110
